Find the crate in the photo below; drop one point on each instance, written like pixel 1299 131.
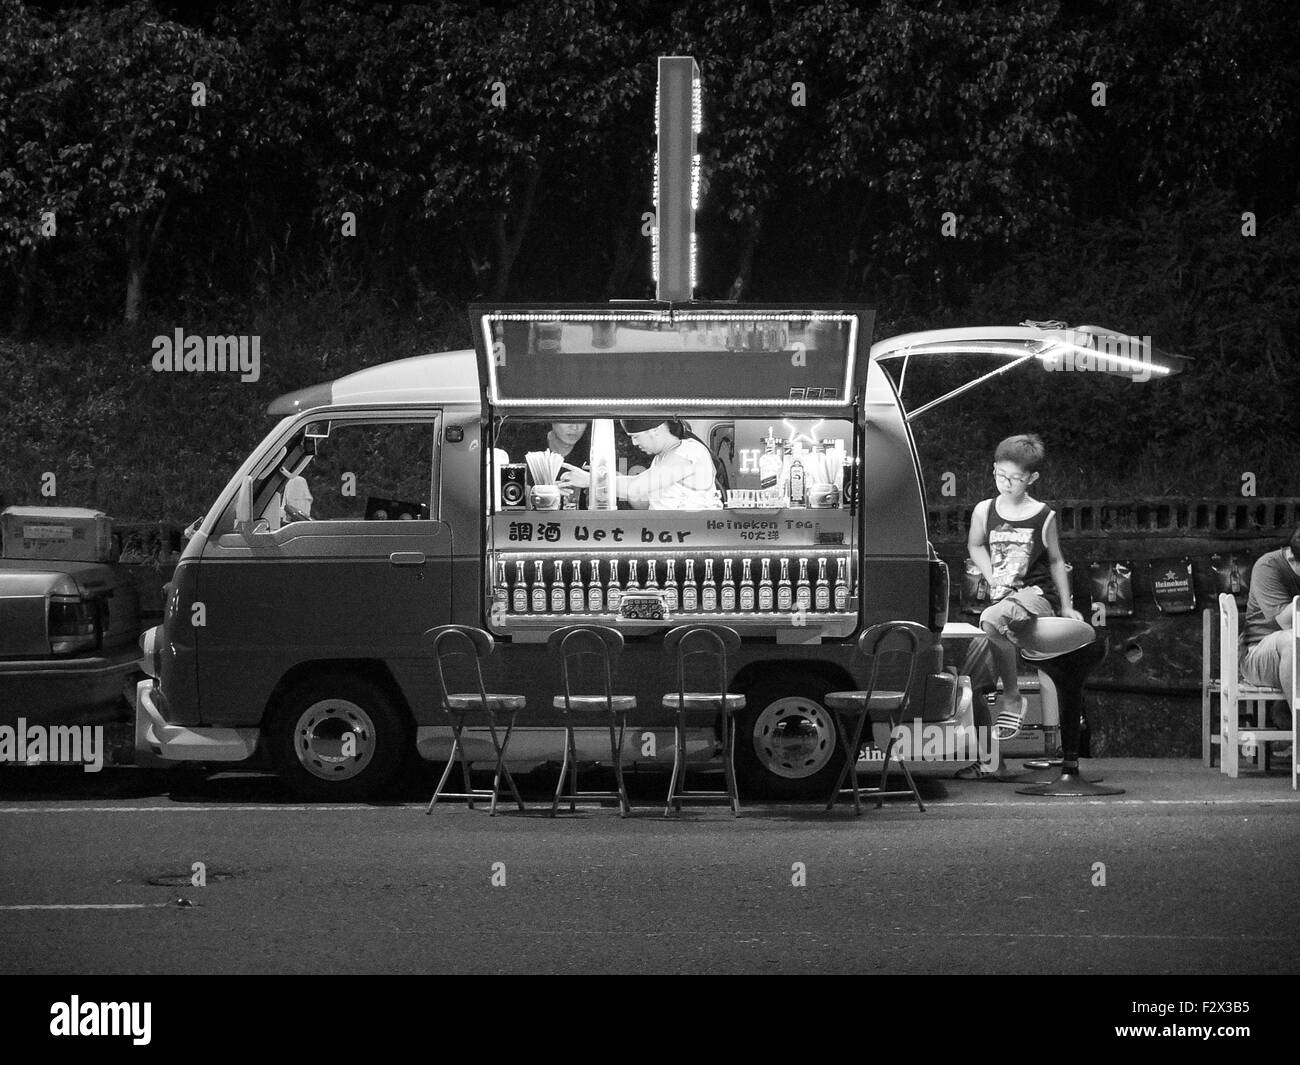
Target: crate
pixel 62 534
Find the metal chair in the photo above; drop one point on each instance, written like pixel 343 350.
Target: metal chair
pixel 684 643
pixel 853 709
pixel 448 642
pixel 579 646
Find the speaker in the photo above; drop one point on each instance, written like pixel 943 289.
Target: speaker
pixel 513 486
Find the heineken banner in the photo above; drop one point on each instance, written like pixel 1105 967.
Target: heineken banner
pixel 1172 586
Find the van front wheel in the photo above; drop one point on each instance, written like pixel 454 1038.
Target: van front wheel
pixel 337 739
pixel 786 743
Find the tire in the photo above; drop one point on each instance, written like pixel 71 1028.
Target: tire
pixel 786 741
pixel 308 735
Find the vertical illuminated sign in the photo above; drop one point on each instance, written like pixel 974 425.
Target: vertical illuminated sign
pixel 678 114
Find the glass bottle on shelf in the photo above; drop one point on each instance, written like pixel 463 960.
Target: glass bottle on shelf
pixel 614 593
pixel 559 594
pixel 577 596
pixel 746 597
pixel 595 593
pixel 652 578
pixel 727 593
pixel 539 588
pixel 803 590
pixel 672 595
pixel 798 480
pixel 690 591
pixel 633 585
pixel 520 591
pixel 784 592
pixel 500 591
pixel 842 584
pixel 709 590
pixel 765 594
pixel 822 591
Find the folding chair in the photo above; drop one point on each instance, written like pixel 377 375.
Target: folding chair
pixel 577 646
pixel 448 642
pixel 853 709
pixel 1233 690
pixel 711 642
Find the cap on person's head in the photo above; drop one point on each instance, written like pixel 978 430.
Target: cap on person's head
pixel 640 425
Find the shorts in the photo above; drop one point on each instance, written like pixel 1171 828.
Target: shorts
pixel 1008 616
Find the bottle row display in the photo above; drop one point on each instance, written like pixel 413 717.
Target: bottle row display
pixel 599 586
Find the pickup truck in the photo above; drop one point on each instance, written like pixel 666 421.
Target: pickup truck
pixel 68 633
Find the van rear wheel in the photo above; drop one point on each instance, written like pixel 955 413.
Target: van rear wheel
pixel 786 742
pixel 337 738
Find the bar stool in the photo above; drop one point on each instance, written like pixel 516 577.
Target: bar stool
pixel 853 709
pixel 450 641
pixel 710 642
pixel 579 646
pixel 1067 651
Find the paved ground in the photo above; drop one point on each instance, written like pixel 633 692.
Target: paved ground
pixel 1197 871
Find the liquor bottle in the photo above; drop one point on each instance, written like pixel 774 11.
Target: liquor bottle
pixel 633 585
pixel 1112 588
pixel 500 592
pixel 727 593
pixel 539 588
pixel 672 594
pixel 652 578
pixel 842 585
pixel 690 590
pixel 1234 579
pixel 798 482
pixel 520 602
pixel 769 464
pixel 784 593
pixel 577 598
pixel 822 592
pixel 803 590
pixel 595 593
pixel 746 598
pixel 614 593
pixel 558 592
pixel 709 589
pixel 765 596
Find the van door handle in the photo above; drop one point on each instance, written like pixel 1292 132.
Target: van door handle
pixel 407 558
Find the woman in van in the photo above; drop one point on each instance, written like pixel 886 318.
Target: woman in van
pixel 682 475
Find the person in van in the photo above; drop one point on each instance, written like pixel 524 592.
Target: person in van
pixel 570 440
pixel 682 474
pixel 1015 543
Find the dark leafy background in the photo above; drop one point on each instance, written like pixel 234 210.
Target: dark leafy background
pixel 227 218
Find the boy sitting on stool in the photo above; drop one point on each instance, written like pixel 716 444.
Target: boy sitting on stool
pixel 1015 542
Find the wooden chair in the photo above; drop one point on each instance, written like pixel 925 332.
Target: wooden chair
pixel 1232 691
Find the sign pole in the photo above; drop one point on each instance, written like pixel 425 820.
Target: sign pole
pixel 677 178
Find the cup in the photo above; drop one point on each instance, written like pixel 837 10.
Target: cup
pixel 544 497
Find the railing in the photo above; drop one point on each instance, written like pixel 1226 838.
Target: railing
pixel 1226 518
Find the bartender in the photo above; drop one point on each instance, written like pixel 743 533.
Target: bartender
pixel 681 474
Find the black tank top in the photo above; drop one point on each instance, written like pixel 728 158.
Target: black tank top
pixel 1017 550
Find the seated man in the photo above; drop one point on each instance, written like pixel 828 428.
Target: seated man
pixel 1264 655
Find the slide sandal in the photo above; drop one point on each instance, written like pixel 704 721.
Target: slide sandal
pixel 1009 721
pixel 977 771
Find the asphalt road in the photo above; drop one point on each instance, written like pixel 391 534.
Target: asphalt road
pixel 1199 875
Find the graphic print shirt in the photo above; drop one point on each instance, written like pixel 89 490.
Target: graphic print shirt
pixel 1018 554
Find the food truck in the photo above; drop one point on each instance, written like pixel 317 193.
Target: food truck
pixel 286 632
pixel 425 491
